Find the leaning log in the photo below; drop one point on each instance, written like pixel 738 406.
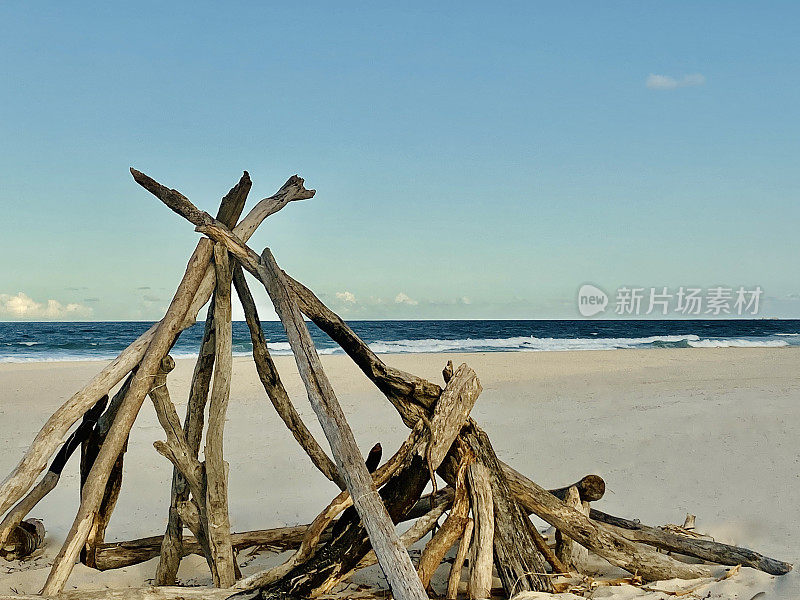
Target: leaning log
pixel 708 550
pixel 218 526
pixel 392 556
pixel 230 209
pixel 602 540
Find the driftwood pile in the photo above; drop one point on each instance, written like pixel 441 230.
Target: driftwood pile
pixel 486 501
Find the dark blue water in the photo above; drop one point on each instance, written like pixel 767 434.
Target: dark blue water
pixel 104 340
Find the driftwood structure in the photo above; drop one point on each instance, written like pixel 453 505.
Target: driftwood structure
pixel 487 502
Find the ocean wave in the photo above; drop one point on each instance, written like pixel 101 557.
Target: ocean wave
pixel 733 343
pixel 525 344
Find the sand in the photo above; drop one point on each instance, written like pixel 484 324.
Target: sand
pixel 712 432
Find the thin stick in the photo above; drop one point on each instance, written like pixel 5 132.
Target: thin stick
pixel 458 563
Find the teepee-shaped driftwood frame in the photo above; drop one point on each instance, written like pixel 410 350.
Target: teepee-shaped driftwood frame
pixel 487 501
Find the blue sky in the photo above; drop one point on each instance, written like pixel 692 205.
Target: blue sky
pixel 472 160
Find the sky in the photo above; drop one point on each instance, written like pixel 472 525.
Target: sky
pixel 471 160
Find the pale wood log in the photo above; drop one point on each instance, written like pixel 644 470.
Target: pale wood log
pixel 50 435
pixel 166 333
pixel 174 593
pixel 218 525
pixel 21 510
pixel 89 449
pixel 273 385
pixel 448 534
pixel 591 488
pixel 97 531
pixel 124 554
pixel 392 556
pixel 454 579
pixel 519 554
pixel 177 450
pixel 572 555
pixel 480 491
pixel 24 540
pixel 230 210
pixel 709 550
pixel 602 540
pixel 171 546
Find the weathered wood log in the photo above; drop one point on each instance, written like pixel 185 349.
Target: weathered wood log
pixel 177 450
pixel 21 510
pixel 53 431
pixel 716 552
pixel 171 546
pixel 591 488
pixel 449 533
pixel 392 556
pixel 481 558
pixel 163 338
pixel 124 554
pixel 600 539
pixel 24 540
pixel 519 560
pixel 273 385
pixel 454 579
pixel 424 504
pixel 230 210
pixel 572 555
pixel 218 525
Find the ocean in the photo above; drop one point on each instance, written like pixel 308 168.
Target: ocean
pixel 27 341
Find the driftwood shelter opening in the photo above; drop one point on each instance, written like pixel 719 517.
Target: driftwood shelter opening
pixel 486 502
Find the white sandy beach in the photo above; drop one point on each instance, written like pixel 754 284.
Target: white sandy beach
pixel 712 432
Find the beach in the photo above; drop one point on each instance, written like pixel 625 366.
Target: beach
pixel 714 432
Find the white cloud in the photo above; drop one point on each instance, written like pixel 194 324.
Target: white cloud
pixel 22 306
pixel 666 82
pixel 403 298
pixel 346 296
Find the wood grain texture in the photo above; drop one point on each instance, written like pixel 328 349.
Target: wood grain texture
pixel 709 550
pixel 218 521
pixel 482 555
